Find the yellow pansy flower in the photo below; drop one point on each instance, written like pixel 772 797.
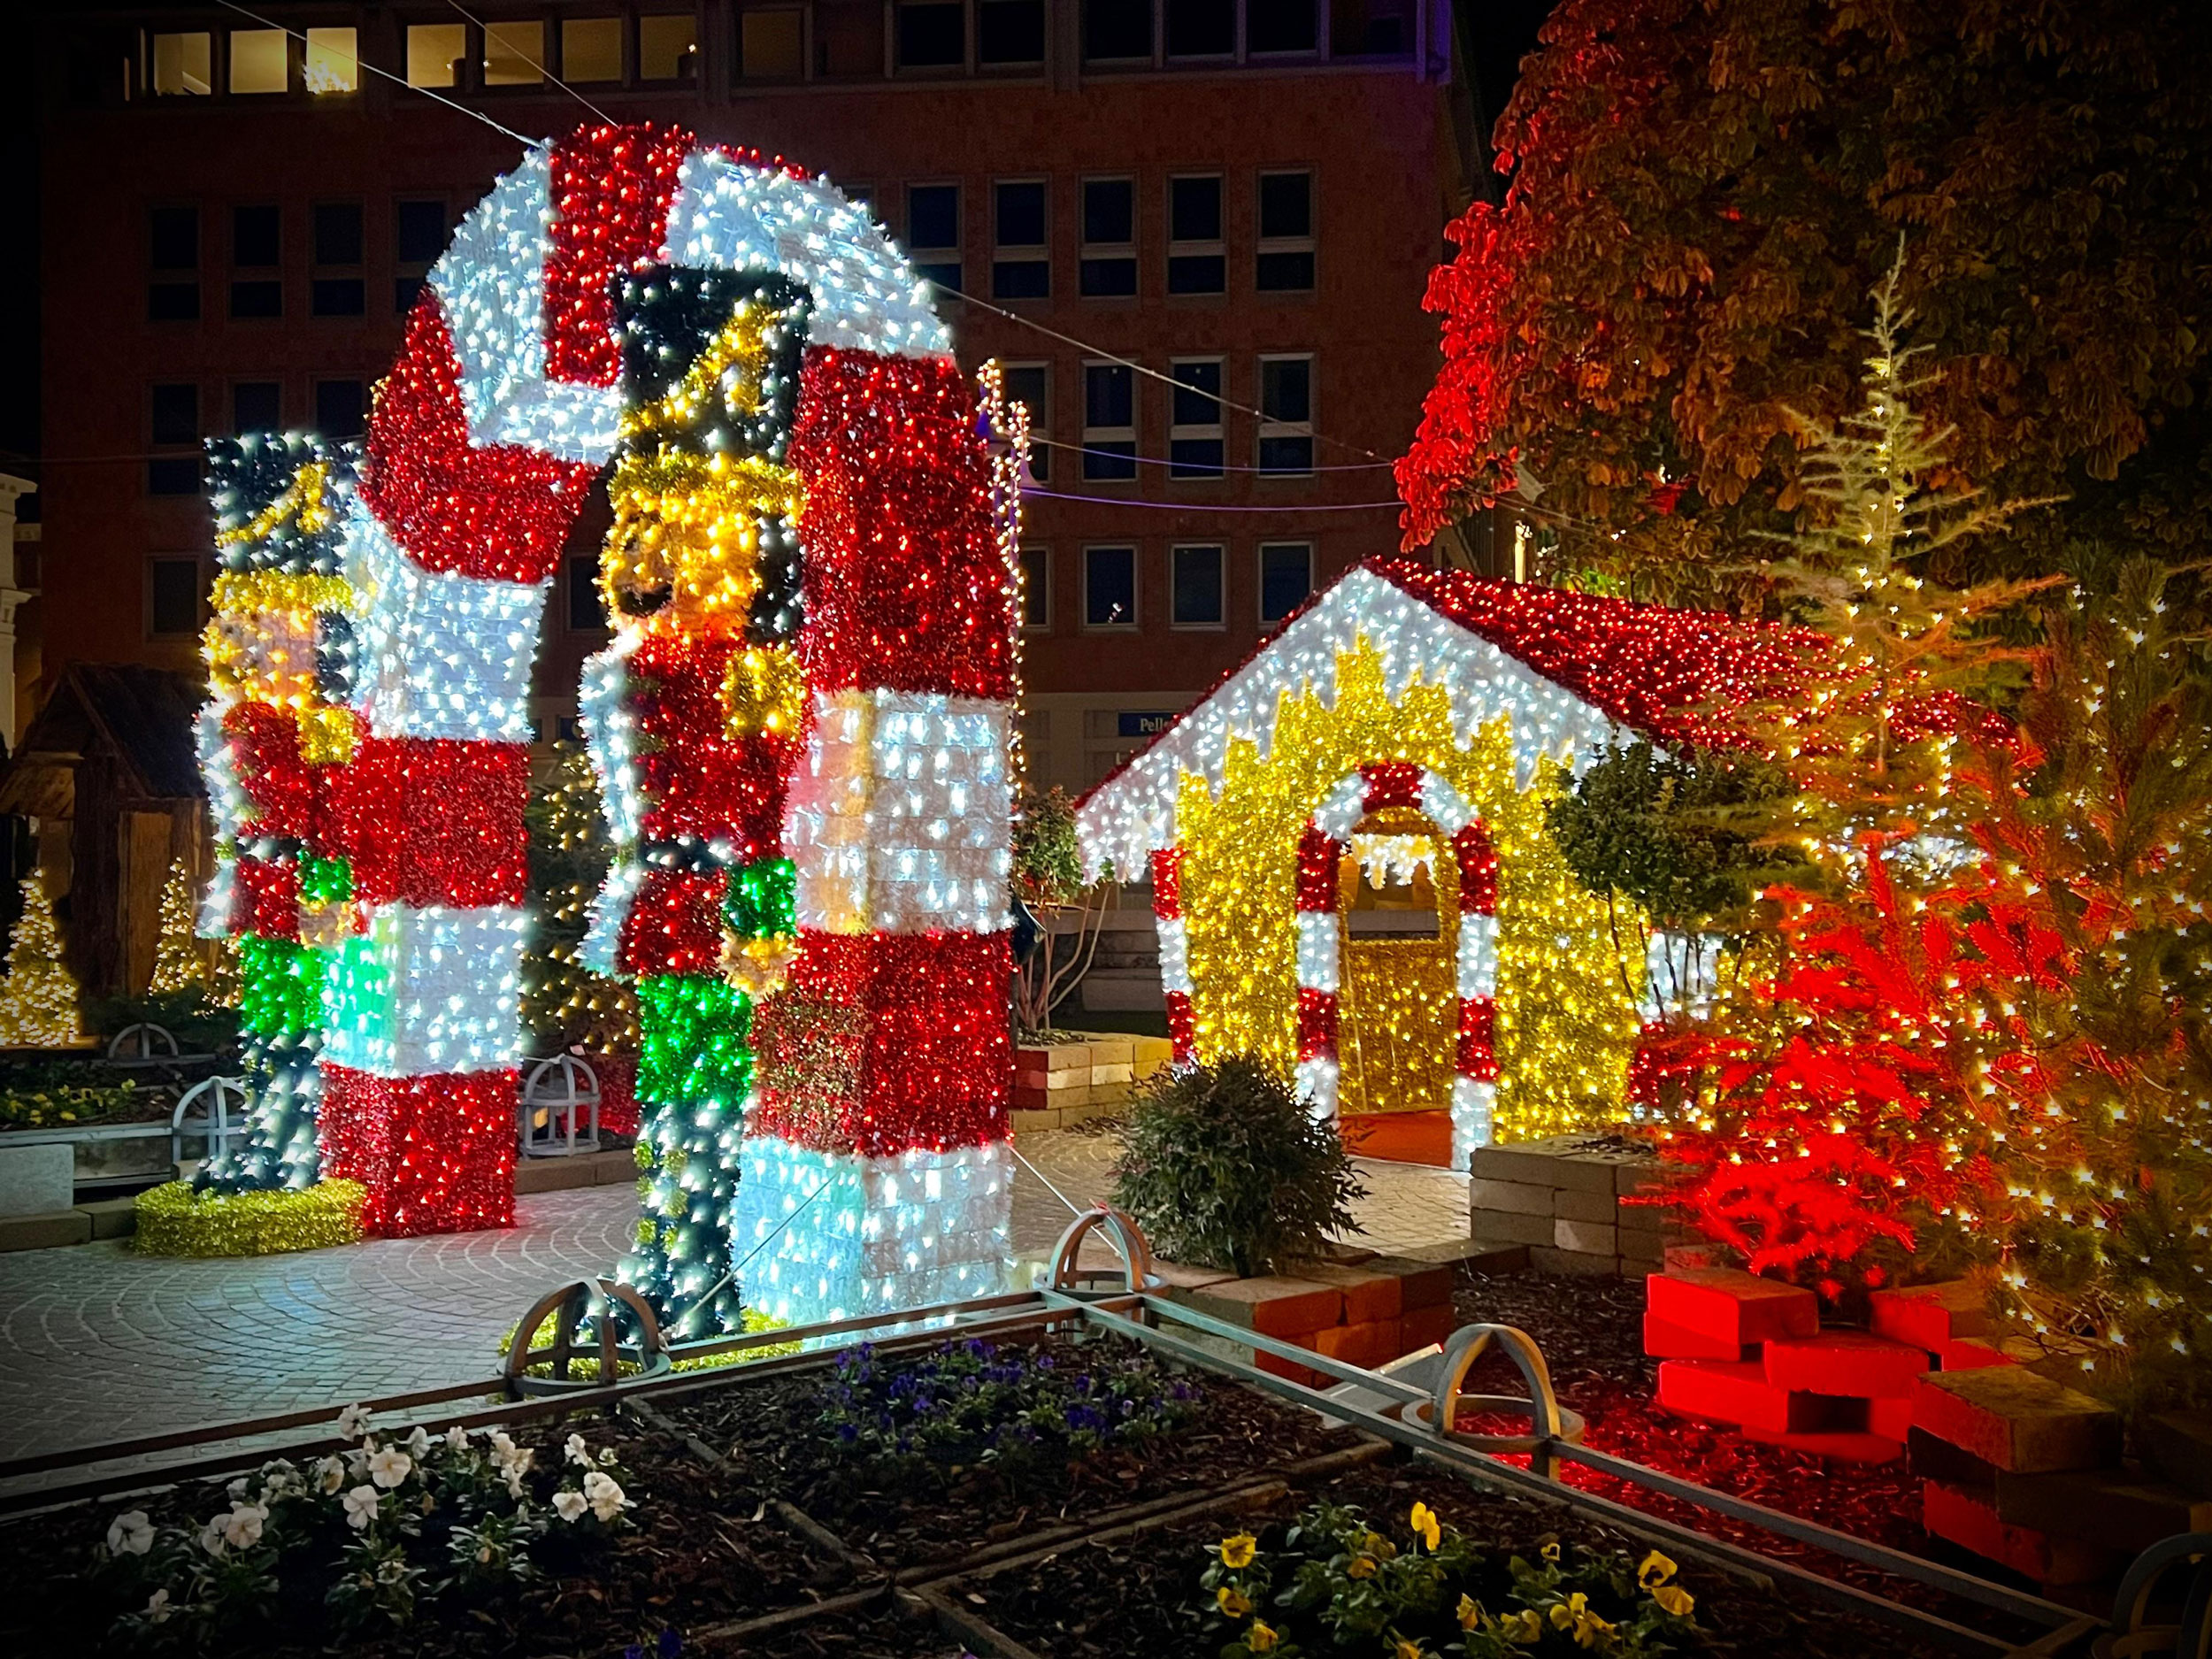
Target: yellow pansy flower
pixel 1674 1599
pixel 1524 1628
pixel 1232 1601
pixel 1381 1547
pixel 1654 1571
pixel 1360 1567
pixel 1424 1526
pixel 1259 1639
pixel 1469 1612
pixel 1408 1649
pixel 1238 1549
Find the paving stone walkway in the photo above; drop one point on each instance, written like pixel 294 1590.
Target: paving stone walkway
pixel 99 1344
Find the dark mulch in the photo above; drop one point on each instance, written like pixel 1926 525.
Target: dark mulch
pixel 768 1431
pixel 1591 1332
pixel 1140 1595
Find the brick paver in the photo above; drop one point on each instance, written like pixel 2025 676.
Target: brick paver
pixel 98 1343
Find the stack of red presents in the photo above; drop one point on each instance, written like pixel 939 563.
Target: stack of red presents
pixel 2013 1466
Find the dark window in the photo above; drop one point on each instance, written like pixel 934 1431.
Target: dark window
pixel 1195 587
pixel 172 603
pixel 932 33
pixel 1285 578
pixel 256 296
pixel 1285 261
pixel 1109 422
pixel 587 611
pixel 1194 446
pixel 1287 411
pixel 1009 32
pixel 1202 28
pixel 1109 237
pixel 338 232
pixel 418 232
pixel 256 236
pixel 1369 29
pixel 932 228
pixel 174 257
pixel 176 412
pixel 256 406
pixel 338 297
pixel 1036 588
pixel 1116 29
pixel 340 407
pixel 1030 384
pixel 1195 262
pixel 1017 274
pixel 1280 26
pixel 1110 588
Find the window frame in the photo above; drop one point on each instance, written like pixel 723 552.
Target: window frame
pixel 315 401
pixel 176 278
pixel 415 271
pixel 920 258
pixel 1215 431
pixel 231 88
pixel 480 37
pixel 1259 571
pixel 238 428
pixel 1217 248
pixel 306 60
pixel 623 48
pixel 1150 55
pixel 1007 66
pixel 169 452
pixel 962 65
pixel 1090 253
pixel 1095 437
pixel 1164 39
pixel 464 67
pixel 167 636
pixel 1308 244
pixel 634 38
pixel 217 77
pixel 741 76
pixel 1039 418
pixel 1024 254
pixel 260 274
pixel 1221 623
pixel 1270 427
pixel 587 565
pixel 320 272
pixel 1136 588
pixel 1043 556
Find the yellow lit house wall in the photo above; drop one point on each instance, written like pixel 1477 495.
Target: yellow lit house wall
pixel 1566 1023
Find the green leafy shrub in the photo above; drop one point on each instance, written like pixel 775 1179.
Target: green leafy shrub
pixel 1224 1166
pixel 63 1093
pixel 1331 1582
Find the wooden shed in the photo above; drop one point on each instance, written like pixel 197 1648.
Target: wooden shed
pixel 108 767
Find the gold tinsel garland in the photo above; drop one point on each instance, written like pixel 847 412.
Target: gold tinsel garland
pixel 174 1220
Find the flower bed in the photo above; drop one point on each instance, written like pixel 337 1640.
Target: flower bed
pixel 80 1094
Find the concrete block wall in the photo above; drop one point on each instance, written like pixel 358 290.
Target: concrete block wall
pixel 1059 1084
pixel 1565 1198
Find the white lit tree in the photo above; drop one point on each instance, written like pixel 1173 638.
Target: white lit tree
pixel 38 1000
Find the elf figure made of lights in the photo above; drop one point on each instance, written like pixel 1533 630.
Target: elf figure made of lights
pixel 813 568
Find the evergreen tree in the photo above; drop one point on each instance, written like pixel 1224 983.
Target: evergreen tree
pixel 179 960
pixel 38 1000
pixel 565 1004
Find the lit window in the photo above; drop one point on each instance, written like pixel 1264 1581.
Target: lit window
pixel 1036 588
pixel 1281 26
pixel 668 47
pixel 514 54
pixel 932 232
pixel 1196 261
pixel 1287 414
pixel 435 52
pixel 591 48
pixel 184 65
pixel 1195 587
pixel 932 34
pixel 1285 579
pixel 1110 422
pixel 1029 385
pixel 172 597
pixel 1202 28
pixel 771 45
pixel 1021 266
pixel 1116 30
pixel 257 61
pixel 1286 251
pixel 1110 588
pixel 1109 238
pixel 334 61
pixel 1194 438
pixel 1009 32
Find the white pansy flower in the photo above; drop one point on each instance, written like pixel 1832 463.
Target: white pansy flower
pixel 576 1451
pixel 603 1493
pixel 514 1481
pixel 130 1533
pixel 158 1608
pixel 237 1488
pixel 242 1527
pixel 330 1474
pixel 211 1536
pixel 353 1422
pixel 457 1438
pixel 569 1505
pixel 418 1443
pixel 388 1467
pixel 361 1506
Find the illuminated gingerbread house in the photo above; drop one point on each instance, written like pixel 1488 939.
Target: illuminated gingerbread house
pixel 1351 871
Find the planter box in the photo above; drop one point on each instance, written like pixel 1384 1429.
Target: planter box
pixel 103 1154
pixel 1063 1084
pixel 1566 1199
pixel 1361 1309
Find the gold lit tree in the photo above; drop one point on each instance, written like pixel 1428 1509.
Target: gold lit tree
pixel 179 959
pixel 38 1000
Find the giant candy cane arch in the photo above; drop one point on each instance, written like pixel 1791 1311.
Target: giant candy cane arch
pixel 484 443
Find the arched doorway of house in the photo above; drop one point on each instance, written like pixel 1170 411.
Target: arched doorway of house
pixel 1398 1016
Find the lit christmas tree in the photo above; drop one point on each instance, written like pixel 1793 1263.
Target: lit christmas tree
pixel 565 1003
pixel 179 959
pixel 38 1002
